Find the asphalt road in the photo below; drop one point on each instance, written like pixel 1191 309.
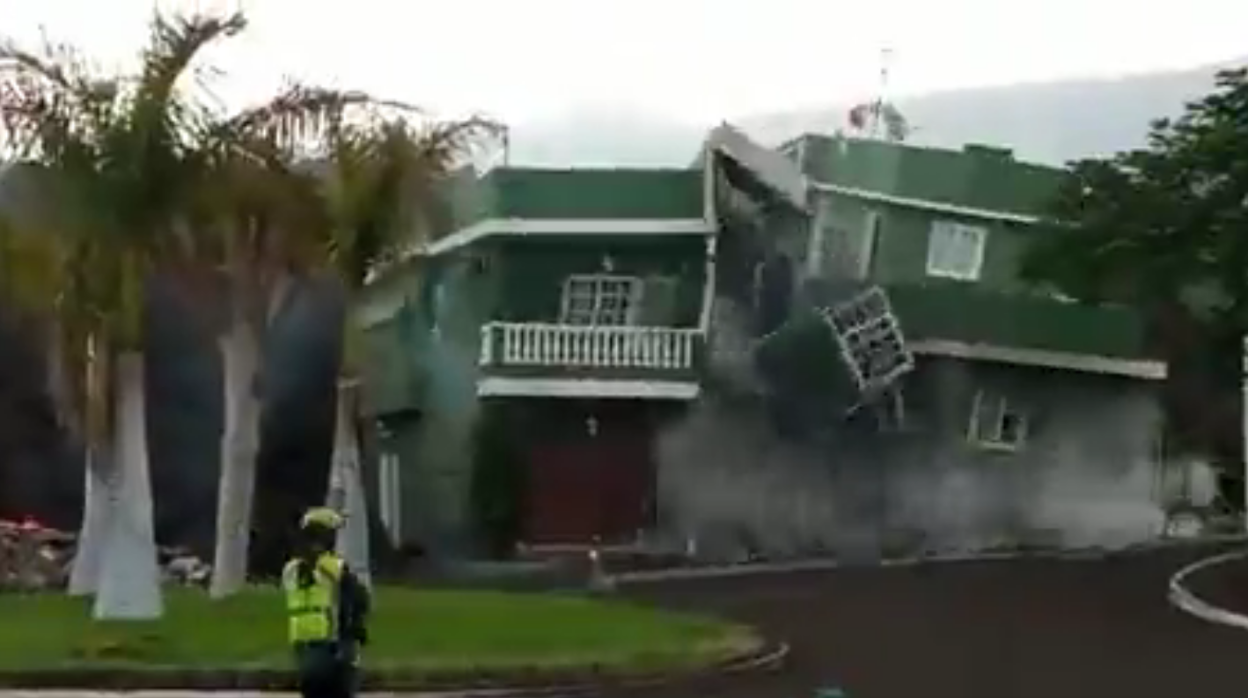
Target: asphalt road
pixel 1009 629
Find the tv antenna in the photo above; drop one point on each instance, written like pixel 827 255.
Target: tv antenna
pixel 881 95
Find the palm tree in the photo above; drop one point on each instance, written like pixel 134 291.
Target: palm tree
pixel 140 175
pixel 273 223
pixel 383 191
pixel 34 275
pixel 327 177
pixel 122 161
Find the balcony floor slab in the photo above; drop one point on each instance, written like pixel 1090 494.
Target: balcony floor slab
pixel 503 386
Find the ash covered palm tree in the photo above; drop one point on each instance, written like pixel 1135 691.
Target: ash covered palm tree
pixel 124 168
pixel 384 188
pixel 315 180
pixel 139 172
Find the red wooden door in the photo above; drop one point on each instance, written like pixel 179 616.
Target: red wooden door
pixel 586 487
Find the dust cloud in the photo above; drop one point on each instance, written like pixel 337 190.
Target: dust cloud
pixel 732 486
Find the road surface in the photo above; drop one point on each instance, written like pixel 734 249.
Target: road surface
pixel 1007 629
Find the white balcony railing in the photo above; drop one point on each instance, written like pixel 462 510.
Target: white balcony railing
pixel 575 346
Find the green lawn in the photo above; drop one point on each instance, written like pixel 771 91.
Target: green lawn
pixel 420 630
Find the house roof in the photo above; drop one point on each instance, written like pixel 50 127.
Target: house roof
pixel 766 168
pixel 982 178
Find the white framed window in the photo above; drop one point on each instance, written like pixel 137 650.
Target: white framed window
pixel 870 339
pixel 956 250
pixel 390 494
pixel 600 299
pixel 870 243
pixel 996 424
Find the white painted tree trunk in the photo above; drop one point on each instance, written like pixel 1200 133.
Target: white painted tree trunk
pixel 346 486
pixel 85 573
pixel 59 385
pixel 1244 391
pixel 129 583
pixel 240 444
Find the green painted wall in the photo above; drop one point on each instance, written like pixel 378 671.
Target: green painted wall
pixel 999 309
pixel 603 194
pixel 976 177
pixel 390 346
pixel 532 272
pixel 436 337
pixel 900 254
pixel 514 192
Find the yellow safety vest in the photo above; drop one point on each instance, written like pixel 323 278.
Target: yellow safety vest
pixel 313 610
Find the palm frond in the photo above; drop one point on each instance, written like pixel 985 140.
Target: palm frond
pixel 388 181
pixel 32 268
pixel 175 43
pixel 51 105
pixel 307 120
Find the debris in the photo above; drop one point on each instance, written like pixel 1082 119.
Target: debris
pixel 34 557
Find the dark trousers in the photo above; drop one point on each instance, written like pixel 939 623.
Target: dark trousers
pixel 324 671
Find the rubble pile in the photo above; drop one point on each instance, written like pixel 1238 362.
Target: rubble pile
pixel 35 557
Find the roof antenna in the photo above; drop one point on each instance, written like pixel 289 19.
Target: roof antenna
pixel 877 118
pixel 506 145
pixel 881 95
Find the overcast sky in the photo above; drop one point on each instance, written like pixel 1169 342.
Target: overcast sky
pixel 695 61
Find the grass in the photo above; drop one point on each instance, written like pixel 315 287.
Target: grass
pixel 411 630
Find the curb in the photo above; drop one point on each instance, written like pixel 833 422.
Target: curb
pixel 532 683
pixel 1183 599
pixel 828 564
pixel 52 693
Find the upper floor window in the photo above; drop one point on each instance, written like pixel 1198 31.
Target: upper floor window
pixel 600 299
pixel 996 423
pixel 956 250
pixel 870 243
pixel 390 495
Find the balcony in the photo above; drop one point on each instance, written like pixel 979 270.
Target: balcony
pixel 556 360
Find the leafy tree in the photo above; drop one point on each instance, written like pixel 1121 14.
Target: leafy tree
pixel 1162 228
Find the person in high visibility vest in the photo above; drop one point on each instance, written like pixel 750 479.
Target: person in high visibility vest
pixel 327 607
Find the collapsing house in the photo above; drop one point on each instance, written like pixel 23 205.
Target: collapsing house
pixel 823 348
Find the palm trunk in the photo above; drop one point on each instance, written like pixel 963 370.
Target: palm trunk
pixel 60 391
pixel 240 356
pixel 129 583
pixel 85 573
pixel 346 484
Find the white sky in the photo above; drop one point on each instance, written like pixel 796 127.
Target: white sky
pixel 695 61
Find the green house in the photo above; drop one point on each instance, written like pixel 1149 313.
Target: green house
pixel 571 302
pixel 593 317
pixel 939 399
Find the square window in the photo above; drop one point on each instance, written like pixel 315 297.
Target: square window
pixel 870 340
pixel 600 300
pixel 996 424
pixel 956 250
